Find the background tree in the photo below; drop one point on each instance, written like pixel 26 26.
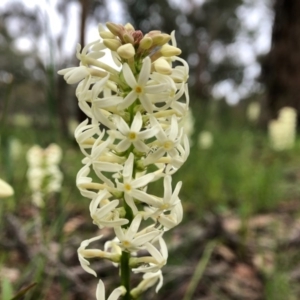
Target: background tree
pixel 199 28
pixel 281 67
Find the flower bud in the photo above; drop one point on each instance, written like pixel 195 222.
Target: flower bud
pixel 107 35
pixel 153 33
pixel 112 44
pixel 146 42
pixel 168 50
pixel 162 66
pixel 137 36
pixel 161 39
pixel 126 51
pixel 129 27
pixel 128 38
pixel 116 29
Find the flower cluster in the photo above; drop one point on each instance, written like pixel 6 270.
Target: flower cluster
pixel 43 173
pixel 282 132
pixel 133 137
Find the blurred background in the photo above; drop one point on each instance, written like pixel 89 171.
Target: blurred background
pixel 241 230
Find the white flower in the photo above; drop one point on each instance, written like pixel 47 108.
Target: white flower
pixel 99 150
pixel 167 141
pixel 34 156
pixel 113 248
pixel 83 94
pixel 174 163
pixel 130 240
pixel 133 135
pixel 5 189
pixel 131 187
pixel 53 154
pixel 169 96
pixel 116 293
pixel 84 262
pixel 169 200
pixel 74 74
pixel 84 182
pixel 181 107
pixel 173 218
pixel 84 253
pixel 35 178
pixel 43 173
pixel 84 135
pixel 160 258
pixel 106 215
pixel 149 279
pixel 83 55
pixel 139 87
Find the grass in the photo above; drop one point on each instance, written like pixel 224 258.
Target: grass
pixel 239 173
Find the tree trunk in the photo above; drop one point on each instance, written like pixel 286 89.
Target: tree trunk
pixel 84 12
pixel 281 69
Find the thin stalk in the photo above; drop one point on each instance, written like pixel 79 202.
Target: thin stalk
pixel 125 268
pixel 125 274
pixel 200 268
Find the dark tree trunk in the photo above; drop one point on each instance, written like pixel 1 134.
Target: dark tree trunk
pixel 281 69
pixel 84 12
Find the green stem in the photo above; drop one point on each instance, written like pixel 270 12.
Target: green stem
pixel 125 269
pixel 125 274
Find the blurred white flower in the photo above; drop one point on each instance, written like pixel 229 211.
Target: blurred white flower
pixel 72 125
pixel 282 132
pixel 253 111
pixel 43 173
pixel 188 124
pixel 22 120
pixel 5 189
pixel 15 148
pixel 205 139
pixel 288 115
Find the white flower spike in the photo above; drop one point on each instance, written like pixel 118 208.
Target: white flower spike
pixel 133 136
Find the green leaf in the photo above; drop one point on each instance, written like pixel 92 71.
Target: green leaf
pixel 23 291
pixel 7 290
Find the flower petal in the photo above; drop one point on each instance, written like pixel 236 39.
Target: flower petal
pixel 145 71
pixel 128 76
pixel 137 122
